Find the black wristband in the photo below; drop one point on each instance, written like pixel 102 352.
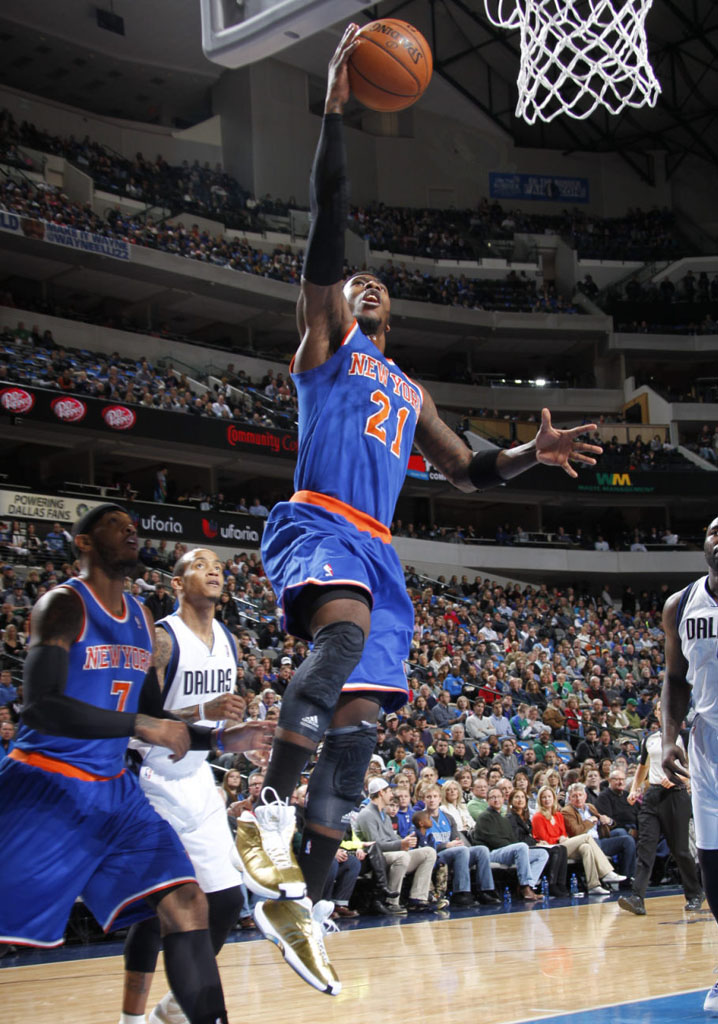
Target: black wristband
pixel 483 472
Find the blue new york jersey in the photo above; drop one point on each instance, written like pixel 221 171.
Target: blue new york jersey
pixel 108 664
pixel 357 417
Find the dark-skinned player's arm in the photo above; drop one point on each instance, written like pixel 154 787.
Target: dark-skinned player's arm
pixel 323 316
pixel 56 623
pixel 471 471
pixel 675 696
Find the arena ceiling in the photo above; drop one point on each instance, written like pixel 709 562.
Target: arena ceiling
pixel 156 71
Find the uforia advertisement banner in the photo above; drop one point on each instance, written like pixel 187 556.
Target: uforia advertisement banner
pixel 172 523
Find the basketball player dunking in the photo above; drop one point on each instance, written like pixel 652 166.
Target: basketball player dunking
pixel 74 822
pixel 328 554
pixel 196 662
pixel 690 622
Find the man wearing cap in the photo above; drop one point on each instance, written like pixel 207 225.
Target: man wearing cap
pixel 64 788
pixel 634 722
pixel 587 747
pixel 403 856
pixel 159 604
pixel 554 717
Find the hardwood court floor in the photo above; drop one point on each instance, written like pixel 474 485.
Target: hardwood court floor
pixel 496 968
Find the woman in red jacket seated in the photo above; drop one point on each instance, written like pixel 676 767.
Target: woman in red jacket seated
pixel 548 826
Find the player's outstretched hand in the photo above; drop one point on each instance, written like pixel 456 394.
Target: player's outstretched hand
pixel 227 705
pixel 164 732
pixel 675 764
pixel 557 447
pixel 338 91
pixel 254 736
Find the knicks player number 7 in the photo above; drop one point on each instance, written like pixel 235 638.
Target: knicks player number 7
pixel 121 691
pixel 374 422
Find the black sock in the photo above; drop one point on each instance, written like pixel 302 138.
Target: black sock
pixel 708 860
pixel 193 976
pixel 285 766
pixel 316 853
pixel 224 908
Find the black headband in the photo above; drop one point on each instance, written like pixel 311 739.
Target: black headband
pixel 86 522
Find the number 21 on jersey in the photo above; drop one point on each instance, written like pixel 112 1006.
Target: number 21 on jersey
pixel 376 424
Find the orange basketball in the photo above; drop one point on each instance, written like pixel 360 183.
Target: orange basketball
pixel 391 66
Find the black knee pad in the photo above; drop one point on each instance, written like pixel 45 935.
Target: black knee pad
pixel 312 695
pixel 336 783
pixel 142 946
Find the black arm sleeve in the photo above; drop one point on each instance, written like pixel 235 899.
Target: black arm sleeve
pixel 47 709
pixel 329 201
pixel 482 470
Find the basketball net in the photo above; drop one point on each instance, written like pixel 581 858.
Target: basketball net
pixel 577 55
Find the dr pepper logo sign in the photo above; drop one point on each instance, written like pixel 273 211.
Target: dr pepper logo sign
pixel 16 400
pixel 119 417
pixel 68 409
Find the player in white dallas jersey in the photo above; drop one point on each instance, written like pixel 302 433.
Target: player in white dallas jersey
pixel 690 621
pixel 196 661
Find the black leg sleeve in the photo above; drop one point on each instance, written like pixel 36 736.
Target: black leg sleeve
pixel 224 908
pixel 142 946
pixel 193 976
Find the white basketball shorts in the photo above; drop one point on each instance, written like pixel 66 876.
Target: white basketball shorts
pixel 703 760
pixel 196 811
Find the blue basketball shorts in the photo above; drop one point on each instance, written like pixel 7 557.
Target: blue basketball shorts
pixel 66 837
pixel 306 544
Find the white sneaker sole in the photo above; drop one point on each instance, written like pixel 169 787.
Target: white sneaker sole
pixel 267 930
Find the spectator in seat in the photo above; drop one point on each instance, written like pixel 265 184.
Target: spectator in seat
pixel 160 603
pixel 507 758
pixel 7 739
pixel 613 802
pixel 56 544
pixel 452 850
pixel 494 830
pixel 548 826
pixel 519 819
pixel 403 856
pixel 149 555
pixel 584 818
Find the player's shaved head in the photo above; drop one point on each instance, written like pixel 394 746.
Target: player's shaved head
pixel 182 564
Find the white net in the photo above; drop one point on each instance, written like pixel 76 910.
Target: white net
pixel 577 55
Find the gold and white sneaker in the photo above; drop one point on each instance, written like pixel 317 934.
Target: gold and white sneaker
pixel 264 845
pixel 297 929
pixel 167 1011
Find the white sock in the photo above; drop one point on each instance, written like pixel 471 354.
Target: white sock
pixel 132 1018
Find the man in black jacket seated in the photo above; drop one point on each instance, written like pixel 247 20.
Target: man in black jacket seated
pixel 613 802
